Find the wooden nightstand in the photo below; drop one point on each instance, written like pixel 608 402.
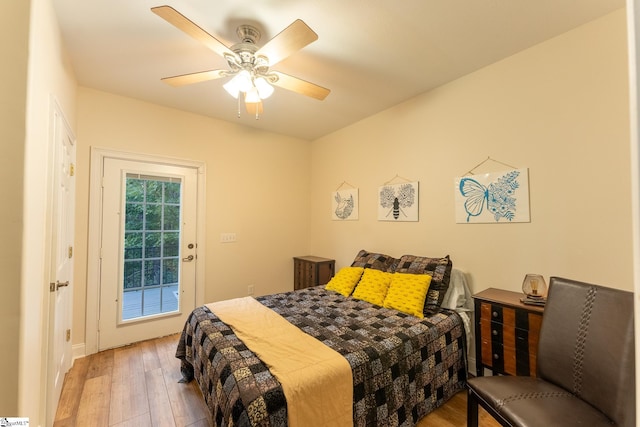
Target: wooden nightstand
pixel 507 333
pixel 312 271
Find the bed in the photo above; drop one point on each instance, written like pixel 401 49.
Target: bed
pixel 401 366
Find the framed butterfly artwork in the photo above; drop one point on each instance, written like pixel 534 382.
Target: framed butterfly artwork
pixel 497 197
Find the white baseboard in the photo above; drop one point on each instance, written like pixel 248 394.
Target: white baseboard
pixel 78 351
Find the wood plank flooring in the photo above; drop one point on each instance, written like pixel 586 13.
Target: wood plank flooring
pixel 137 386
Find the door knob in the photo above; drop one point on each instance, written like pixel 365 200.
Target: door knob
pixel 188 259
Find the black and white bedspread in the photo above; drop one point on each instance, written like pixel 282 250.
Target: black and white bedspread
pixel 403 367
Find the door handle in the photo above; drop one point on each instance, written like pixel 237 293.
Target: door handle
pixel 61 284
pixel 188 259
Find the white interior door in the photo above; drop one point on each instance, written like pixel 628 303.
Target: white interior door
pixel 148 250
pixel 61 261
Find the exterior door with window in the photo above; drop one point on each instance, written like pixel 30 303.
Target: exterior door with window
pixel 148 250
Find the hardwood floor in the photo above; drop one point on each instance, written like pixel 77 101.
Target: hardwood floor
pixel 137 386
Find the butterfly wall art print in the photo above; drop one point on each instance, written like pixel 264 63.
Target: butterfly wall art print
pixel 493 197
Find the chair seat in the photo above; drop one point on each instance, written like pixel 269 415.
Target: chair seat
pixel 528 401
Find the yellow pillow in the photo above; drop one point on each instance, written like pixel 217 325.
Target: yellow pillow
pixel 373 286
pixel 407 293
pixel 345 280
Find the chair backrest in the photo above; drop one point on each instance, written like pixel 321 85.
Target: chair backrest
pixel 587 346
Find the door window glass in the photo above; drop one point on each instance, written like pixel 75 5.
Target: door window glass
pixel 151 246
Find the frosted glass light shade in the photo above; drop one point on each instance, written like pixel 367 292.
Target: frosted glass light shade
pixel 534 286
pixel 232 88
pixel 252 96
pixel 264 88
pixel 241 82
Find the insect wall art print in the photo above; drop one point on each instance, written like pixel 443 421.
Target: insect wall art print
pixel 398 202
pixel 493 197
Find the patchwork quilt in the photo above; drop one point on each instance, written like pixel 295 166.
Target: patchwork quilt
pixel 403 367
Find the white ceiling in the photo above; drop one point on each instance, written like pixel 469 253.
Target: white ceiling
pixel 372 54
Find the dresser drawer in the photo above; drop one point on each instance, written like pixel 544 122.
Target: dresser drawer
pixel 490 313
pixel 507 360
pixel 506 334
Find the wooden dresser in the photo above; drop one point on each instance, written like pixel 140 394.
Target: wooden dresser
pixel 312 271
pixel 507 333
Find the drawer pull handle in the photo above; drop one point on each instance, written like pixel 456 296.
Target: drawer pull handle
pixel 494 314
pixel 495 356
pixel 494 332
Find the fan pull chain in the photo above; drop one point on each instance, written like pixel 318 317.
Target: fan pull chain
pixel 238 106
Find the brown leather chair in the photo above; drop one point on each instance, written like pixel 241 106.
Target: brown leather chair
pixel 585 365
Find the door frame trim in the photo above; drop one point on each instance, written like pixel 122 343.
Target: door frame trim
pixel 94 234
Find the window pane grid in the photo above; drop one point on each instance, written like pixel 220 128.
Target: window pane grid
pixel 152 243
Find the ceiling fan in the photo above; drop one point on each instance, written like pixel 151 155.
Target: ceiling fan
pixel 249 64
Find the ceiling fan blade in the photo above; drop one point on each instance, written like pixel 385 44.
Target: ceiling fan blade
pixel 254 108
pixel 184 24
pixel 290 40
pixel 303 87
pixel 202 76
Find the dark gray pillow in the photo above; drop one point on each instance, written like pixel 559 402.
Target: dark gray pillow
pixel 376 261
pixel 440 271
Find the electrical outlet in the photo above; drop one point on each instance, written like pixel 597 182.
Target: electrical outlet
pixel 228 237
pixel 250 289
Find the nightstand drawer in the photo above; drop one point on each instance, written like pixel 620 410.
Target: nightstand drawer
pixel 507 333
pixel 491 312
pixel 312 271
pixel 506 359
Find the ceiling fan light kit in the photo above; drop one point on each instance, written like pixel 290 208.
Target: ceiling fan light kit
pixel 245 82
pixel 264 88
pixel 249 65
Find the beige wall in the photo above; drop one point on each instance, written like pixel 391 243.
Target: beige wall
pixel 51 79
pixel 559 108
pixel 257 186
pixel 37 74
pixel 633 22
pixel 14 19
